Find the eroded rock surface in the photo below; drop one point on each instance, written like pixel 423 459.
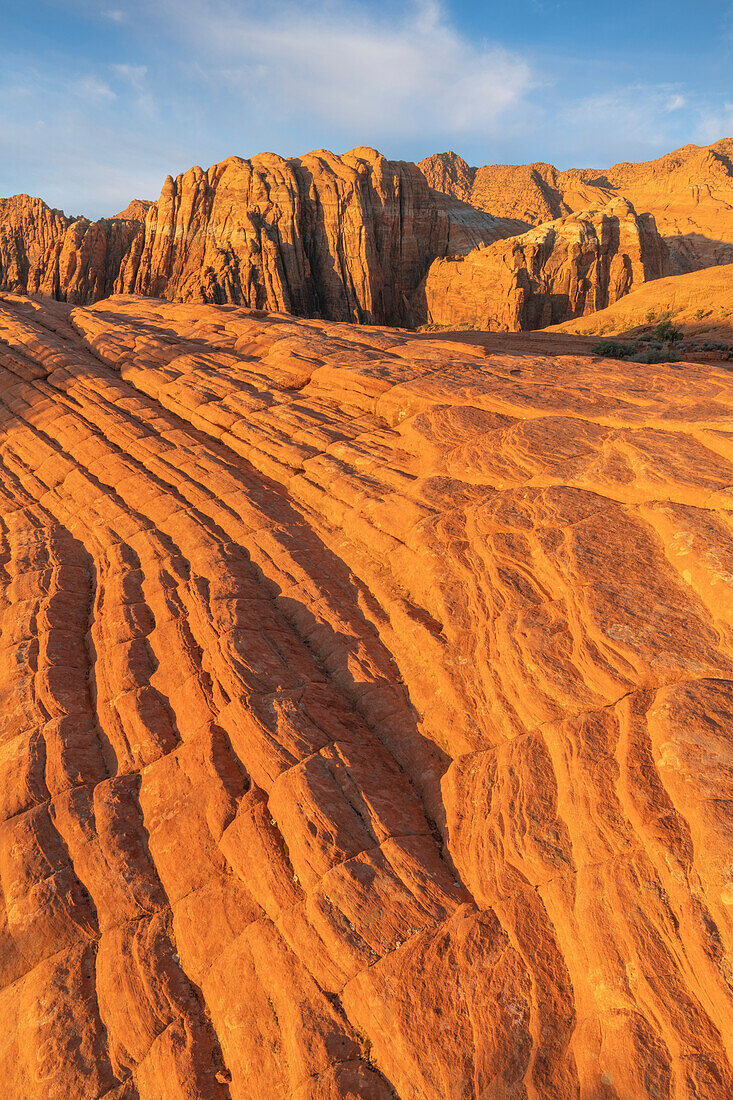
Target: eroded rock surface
pixel 348 238
pixel 564 269
pixel 366 714
pixel 689 192
pixel 69 259
pixel 699 304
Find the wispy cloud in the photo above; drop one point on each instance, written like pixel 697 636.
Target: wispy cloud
pixel 352 65
pixel 92 88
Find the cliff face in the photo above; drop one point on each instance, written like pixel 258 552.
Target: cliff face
pixel 699 303
pixel 348 238
pixel 564 269
pixel 44 252
pixel 366 712
pixel 689 193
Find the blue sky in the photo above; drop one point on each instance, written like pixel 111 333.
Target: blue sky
pixel 100 101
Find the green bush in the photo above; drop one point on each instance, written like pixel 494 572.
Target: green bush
pixel 667 333
pixel 634 353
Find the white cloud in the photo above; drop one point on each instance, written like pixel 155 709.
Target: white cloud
pixel 115 16
pixel 134 75
pixel 92 88
pixel 715 124
pixel 350 66
pixel 676 102
pixel 637 118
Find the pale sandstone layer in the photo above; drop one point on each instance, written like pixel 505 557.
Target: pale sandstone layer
pixel 689 192
pixel 366 714
pixel 700 304
pixel 563 269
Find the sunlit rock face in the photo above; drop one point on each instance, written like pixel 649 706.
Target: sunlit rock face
pixel 564 269
pixel 366 714
pixel 69 259
pixel 347 238
pixel 689 193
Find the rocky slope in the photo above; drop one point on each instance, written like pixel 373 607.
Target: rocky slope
pixel 347 238
pixel 564 269
pixel 700 304
pixel 689 192
pixel 366 711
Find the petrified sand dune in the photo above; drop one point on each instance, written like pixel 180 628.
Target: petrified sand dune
pixel 366 714
pixel 689 192
pixel 564 269
pixel 701 304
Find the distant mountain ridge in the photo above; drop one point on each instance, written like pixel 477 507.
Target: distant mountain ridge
pixel 689 192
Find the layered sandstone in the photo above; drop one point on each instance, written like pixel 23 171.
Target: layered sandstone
pixel 366 710
pixel 689 192
pixel 69 259
pixel 348 238
pixel 564 269
pixel 699 304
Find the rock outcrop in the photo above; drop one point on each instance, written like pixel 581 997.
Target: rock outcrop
pixel 564 269
pixel 689 192
pixel 347 238
pixel 366 715
pixel 700 304
pixel 69 259
pixel 135 211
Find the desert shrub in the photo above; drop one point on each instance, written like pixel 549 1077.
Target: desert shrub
pixel 615 349
pixel 635 353
pixel 667 333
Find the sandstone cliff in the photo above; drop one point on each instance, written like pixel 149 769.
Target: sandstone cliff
pixel 700 304
pixel 564 269
pixel 70 259
pixel 366 712
pixel 348 238
pixel 689 192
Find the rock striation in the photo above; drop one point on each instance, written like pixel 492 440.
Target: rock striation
pixel 561 270
pixel 348 238
pixel 699 304
pixel 689 192
pixel 69 259
pixel 366 714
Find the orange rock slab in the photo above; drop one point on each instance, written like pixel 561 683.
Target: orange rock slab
pixel 366 711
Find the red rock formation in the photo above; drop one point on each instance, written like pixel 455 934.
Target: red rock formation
pixel 449 174
pixel 564 269
pixel 136 210
pixel 366 710
pixel 70 259
pixel 699 304
pixel 347 238
pixel 689 192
